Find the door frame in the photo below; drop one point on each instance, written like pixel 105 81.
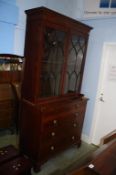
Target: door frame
pixel 97 105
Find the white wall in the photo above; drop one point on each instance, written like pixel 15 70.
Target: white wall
pixel 8 20
pixel 9 1
pixel 103 31
pixel 70 8
pixel 20 28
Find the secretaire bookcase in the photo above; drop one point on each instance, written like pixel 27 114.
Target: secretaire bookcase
pixel 52 108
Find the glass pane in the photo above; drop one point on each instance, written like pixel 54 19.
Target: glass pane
pixel 52 62
pixel 75 59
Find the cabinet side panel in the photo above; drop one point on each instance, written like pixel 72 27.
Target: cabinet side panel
pixel 29 129
pixel 33 49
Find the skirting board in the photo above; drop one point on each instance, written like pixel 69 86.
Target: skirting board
pixel 85 138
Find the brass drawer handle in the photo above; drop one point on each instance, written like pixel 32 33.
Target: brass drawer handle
pixel 19 165
pixel 52 148
pixel 15 167
pixel 53 134
pixel 75 125
pixel 55 121
pixel 73 137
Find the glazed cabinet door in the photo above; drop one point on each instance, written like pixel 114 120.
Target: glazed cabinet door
pixel 52 61
pixel 62 63
pixel 75 63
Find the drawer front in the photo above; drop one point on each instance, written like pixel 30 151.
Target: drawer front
pixel 50 148
pixel 59 134
pixel 53 135
pixel 72 107
pixel 60 123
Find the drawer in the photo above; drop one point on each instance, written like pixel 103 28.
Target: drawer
pixel 79 108
pixel 61 108
pixel 50 148
pixel 60 121
pixel 54 134
pixel 58 138
pixel 54 110
pixel 60 128
pixel 59 142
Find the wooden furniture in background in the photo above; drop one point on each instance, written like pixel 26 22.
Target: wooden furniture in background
pixel 12 162
pixel 107 138
pixel 84 171
pixel 10 80
pixel 103 160
pixel 52 108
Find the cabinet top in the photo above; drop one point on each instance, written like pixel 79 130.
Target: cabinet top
pixel 43 13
